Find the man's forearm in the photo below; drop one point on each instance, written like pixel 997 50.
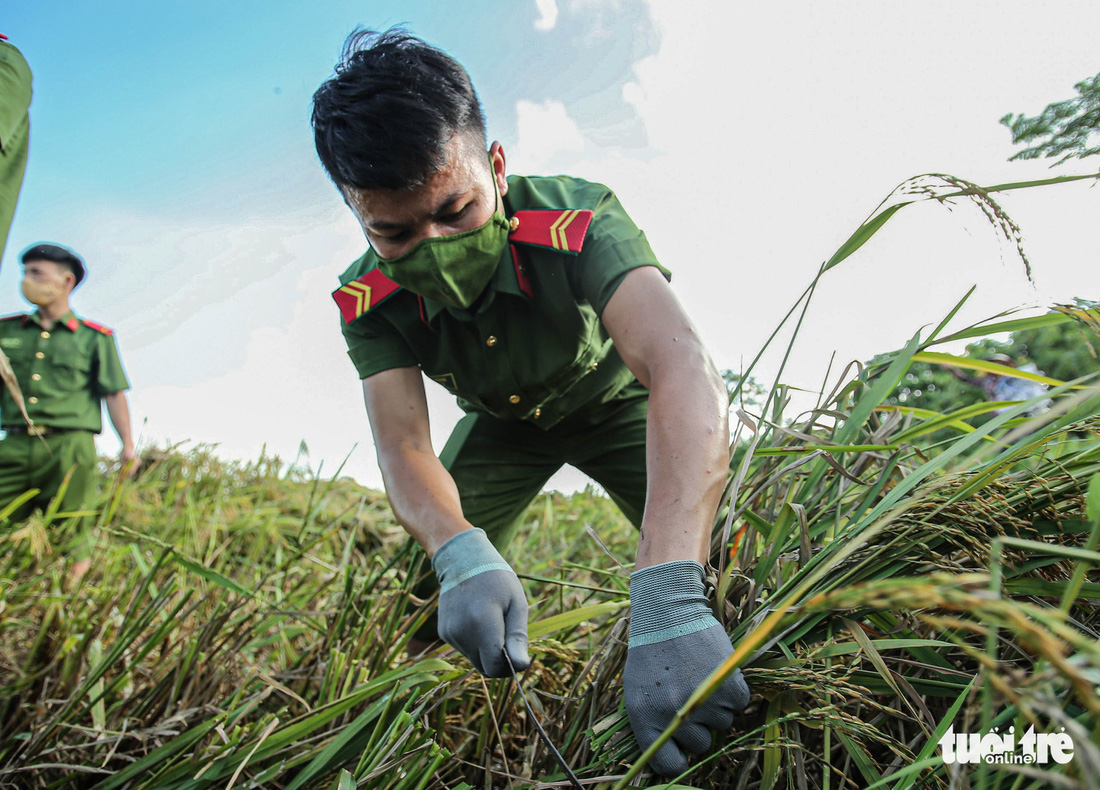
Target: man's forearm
pixel 423 496
pixel 118 409
pixel 687 459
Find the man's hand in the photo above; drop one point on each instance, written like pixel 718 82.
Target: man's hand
pixel 482 608
pixel 675 643
pixel 129 461
pixel 118 409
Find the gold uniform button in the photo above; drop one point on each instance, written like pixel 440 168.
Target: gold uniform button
pixel 45 335
pixel 491 341
pixel 538 413
pixel 32 399
pixel 36 377
pixel 513 224
pixel 594 365
pixel 39 355
pixel 514 399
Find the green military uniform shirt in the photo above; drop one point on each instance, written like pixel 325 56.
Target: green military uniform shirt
pixel 63 371
pixel 532 348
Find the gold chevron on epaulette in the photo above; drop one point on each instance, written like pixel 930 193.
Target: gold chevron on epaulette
pixel 558 229
pixel 363 293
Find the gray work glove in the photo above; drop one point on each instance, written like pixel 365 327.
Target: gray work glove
pixel 675 643
pixel 482 608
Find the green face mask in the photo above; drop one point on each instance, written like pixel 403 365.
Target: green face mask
pixel 452 269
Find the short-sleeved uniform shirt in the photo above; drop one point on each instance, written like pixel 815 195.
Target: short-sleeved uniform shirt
pixel 532 347
pixel 63 371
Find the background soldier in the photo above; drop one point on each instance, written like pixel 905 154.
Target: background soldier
pixel 542 307
pixel 64 365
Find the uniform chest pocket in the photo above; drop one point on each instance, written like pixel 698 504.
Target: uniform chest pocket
pixel 18 352
pixel 68 374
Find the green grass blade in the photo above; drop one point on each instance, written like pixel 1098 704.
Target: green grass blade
pixel 862 235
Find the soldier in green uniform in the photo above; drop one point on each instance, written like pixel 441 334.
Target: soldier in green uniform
pixel 541 306
pixel 65 366
pixel 15 100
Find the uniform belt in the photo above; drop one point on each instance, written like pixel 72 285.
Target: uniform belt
pixel 39 430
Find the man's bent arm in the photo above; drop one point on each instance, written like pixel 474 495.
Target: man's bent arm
pixel 687 433
pixel 118 409
pixel 675 642
pixel 482 606
pixel 421 491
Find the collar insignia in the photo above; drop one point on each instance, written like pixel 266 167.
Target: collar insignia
pixel 363 294
pixel 558 229
pixel 72 324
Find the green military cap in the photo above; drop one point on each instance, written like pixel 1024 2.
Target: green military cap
pixel 45 251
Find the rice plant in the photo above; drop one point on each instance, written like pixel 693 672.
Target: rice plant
pixel 245 625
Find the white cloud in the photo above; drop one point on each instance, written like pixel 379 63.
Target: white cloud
pixel 548 15
pixel 601 19
pixel 545 132
pixel 771 149
pixel 295 383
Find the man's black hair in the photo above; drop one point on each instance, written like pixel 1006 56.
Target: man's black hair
pixel 45 251
pixel 384 119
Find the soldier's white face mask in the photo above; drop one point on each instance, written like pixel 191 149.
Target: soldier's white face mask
pixel 41 291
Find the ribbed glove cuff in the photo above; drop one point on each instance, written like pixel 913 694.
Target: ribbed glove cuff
pixel 667 601
pixel 466 555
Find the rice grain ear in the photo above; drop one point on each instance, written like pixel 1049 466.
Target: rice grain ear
pixel 8 376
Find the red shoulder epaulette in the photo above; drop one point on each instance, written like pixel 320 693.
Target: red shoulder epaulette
pixel 363 294
pixel 559 229
pixel 97 327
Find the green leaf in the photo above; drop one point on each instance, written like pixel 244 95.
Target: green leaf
pixel 882 387
pixel 831 449
pixel 773 752
pixel 862 235
pixel 954 311
pixel 847 648
pixel 939 358
pixel 350 735
pixel 211 575
pixel 1017 324
pixel 573 618
pixel 1092 499
pixel 860 757
pixel 15 504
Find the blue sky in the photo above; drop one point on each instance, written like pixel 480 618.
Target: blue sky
pixel 171 147
pixel 151 103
